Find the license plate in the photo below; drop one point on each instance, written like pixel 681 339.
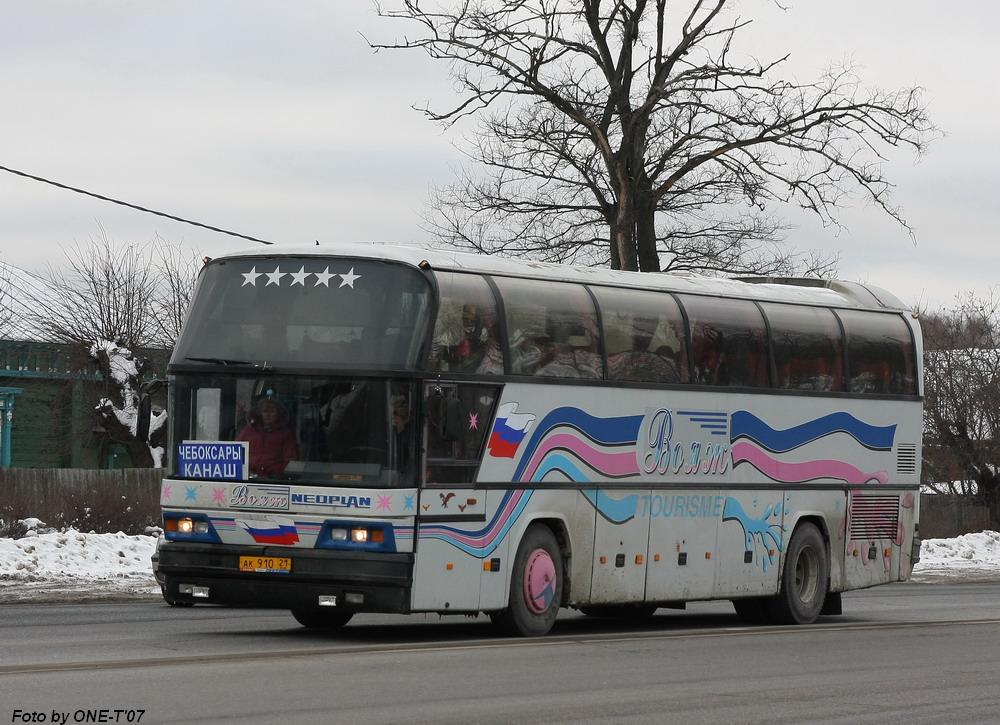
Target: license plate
pixel 266 564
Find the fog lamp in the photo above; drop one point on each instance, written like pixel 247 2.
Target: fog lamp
pixel 185 525
pixel 201 527
pixel 338 534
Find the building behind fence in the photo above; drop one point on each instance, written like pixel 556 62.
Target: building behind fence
pixel 47 396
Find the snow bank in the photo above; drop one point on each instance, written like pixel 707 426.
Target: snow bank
pixel 74 563
pixel 970 556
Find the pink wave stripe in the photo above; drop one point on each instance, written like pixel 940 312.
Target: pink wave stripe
pixel 482 539
pixel 804 471
pixel 611 464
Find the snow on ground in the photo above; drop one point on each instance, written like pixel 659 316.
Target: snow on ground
pixel 970 557
pixel 74 565
pixel 71 565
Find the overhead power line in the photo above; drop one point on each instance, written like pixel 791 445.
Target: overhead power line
pixel 119 202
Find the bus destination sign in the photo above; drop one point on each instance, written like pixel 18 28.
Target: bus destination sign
pixel 213 460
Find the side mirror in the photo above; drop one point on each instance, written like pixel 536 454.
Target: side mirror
pixel 444 414
pixel 434 408
pixel 142 421
pixel 453 420
pixel 145 408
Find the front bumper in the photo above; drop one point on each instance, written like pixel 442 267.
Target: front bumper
pixel 383 580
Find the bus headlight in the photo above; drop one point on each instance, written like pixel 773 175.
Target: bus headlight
pixel 185 525
pixel 365 535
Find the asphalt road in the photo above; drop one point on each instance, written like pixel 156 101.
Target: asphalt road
pixel 904 653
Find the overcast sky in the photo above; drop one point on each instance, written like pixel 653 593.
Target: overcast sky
pixel 276 120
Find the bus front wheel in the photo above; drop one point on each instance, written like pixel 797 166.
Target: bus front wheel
pixel 536 586
pixel 805 579
pixel 322 619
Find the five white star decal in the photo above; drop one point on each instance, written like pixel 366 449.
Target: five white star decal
pixel 250 278
pixel 348 279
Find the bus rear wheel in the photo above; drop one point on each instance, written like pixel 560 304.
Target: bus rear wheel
pixel 805 579
pixel 321 619
pixel 536 586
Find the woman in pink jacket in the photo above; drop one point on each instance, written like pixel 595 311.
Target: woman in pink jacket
pixel 272 442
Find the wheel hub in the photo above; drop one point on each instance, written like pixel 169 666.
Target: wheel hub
pixel 539 581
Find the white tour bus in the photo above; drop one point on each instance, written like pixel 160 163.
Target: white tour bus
pixel 390 429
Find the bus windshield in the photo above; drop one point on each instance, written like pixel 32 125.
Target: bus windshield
pixel 306 313
pixel 336 430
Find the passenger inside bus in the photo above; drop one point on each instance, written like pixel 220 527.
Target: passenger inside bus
pixel 345 418
pixel 402 433
pixel 571 351
pixel 639 362
pixel 476 347
pixel 271 441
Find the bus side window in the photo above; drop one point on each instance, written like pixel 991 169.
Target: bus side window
pixel 728 342
pixel 552 328
pixel 466 332
pixel 808 349
pixel 458 417
pixel 643 335
pixel 880 353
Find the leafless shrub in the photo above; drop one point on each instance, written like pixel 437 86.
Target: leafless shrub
pixel 962 400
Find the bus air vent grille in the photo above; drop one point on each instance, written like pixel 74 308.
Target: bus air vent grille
pixel 874 517
pixel 906 459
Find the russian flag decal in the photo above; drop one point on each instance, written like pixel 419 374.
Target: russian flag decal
pixel 271 531
pixel 509 430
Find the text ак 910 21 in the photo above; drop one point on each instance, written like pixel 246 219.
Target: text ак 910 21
pixel 266 564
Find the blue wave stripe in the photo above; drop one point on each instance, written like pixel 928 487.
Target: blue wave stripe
pixel 615 510
pixel 747 425
pixel 561 463
pixel 607 431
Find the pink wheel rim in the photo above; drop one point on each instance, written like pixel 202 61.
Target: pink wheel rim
pixel 539 581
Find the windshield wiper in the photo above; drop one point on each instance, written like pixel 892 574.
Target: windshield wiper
pixel 222 361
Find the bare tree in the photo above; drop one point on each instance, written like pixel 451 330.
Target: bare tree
pixel 962 401
pixel 104 302
pixel 6 301
pixel 105 292
pixel 624 131
pixel 176 271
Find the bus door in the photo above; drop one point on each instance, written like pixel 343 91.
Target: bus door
pixel 621 537
pixel 682 541
pixel 452 542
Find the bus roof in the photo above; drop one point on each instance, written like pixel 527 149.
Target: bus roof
pixel 831 293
